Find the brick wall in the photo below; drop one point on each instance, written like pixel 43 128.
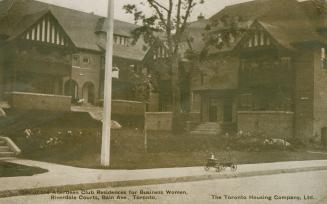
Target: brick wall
pixel 218 73
pixel 33 101
pixel 158 121
pixel 88 72
pixel 320 94
pixel 195 102
pixel 128 108
pixel 153 102
pixel 1 74
pixel 303 94
pixel 273 124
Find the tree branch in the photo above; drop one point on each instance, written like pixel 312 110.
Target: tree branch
pixel 187 14
pixel 178 25
pixel 157 8
pixel 160 5
pixel 169 28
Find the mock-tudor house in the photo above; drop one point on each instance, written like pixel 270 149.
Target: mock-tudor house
pixel 63 50
pixel 273 78
pixel 35 53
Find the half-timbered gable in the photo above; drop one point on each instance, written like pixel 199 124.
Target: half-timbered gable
pixel 47 30
pixel 257 37
pixel 38 55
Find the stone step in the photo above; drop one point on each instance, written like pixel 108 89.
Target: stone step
pixel 7 154
pixel 210 125
pixel 203 133
pixel 2 142
pixel 207 130
pixel 200 130
pixel 207 127
pixel 4 149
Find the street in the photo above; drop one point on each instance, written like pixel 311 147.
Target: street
pixel 306 187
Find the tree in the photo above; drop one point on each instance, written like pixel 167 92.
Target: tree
pixel 166 25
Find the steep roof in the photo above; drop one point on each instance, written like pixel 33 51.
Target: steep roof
pixel 80 26
pixel 316 11
pixel 195 33
pixel 249 11
pixel 290 25
pixel 288 21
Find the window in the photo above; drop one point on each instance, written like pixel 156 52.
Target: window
pixel 76 59
pixel 256 41
pixel 121 40
pixel 323 58
pixel 285 62
pixel 86 60
pixel 115 72
pixel 103 61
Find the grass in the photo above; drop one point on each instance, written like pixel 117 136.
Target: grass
pixel 76 141
pixel 178 159
pixel 14 170
pixel 128 153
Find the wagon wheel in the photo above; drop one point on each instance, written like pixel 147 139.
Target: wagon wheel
pixel 233 167
pixel 219 168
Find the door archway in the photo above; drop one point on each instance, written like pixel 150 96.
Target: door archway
pixel 89 92
pixel 71 89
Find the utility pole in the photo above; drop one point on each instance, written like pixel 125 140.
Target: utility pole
pixel 106 124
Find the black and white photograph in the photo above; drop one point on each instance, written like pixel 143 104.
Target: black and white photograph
pixel 163 101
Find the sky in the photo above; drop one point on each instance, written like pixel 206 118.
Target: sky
pixel 99 7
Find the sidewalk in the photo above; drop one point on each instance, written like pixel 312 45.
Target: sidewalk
pixel 63 178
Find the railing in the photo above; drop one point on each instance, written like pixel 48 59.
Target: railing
pixel 12 146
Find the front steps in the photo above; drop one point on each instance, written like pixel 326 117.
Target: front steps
pixel 8 148
pixel 207 128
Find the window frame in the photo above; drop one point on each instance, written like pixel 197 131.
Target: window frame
pixel 88 60
pixel 76 59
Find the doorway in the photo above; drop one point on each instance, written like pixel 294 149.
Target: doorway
pixel 89 93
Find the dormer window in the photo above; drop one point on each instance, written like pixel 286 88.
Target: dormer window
pixel 121 40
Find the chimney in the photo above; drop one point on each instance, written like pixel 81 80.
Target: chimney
pixel 201 17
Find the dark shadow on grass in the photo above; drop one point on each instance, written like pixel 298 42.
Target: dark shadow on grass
pixel 14 170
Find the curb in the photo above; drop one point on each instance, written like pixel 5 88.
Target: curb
pixel 114 184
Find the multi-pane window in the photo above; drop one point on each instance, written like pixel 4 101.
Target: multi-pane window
pixel 75 59
pixel 121 40
pixel 86 60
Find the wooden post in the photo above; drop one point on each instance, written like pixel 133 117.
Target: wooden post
pixel 105 147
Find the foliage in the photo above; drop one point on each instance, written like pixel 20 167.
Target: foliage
pixel 166 26
pixel 258 142
pixel 56 139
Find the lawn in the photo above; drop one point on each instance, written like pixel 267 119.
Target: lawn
pixel 176 159
pixel 75 139
pixel 128 152
pixel 13 170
